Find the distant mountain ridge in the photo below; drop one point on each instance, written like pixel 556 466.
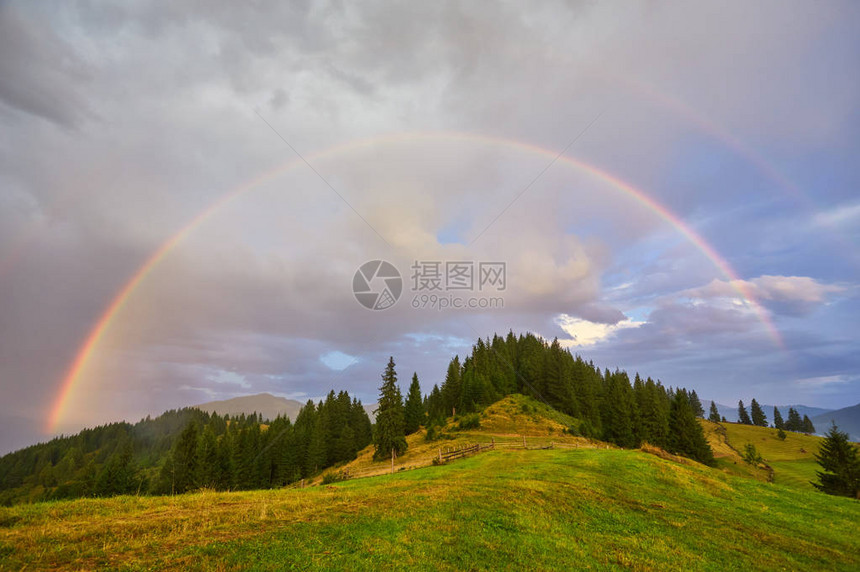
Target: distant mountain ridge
pixel 265 404
pixel 847 419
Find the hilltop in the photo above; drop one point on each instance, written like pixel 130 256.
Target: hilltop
pixel 508 423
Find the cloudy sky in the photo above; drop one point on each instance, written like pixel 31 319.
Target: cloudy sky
pixel 187 193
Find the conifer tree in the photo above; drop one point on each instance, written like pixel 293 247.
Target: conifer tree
pixel 208 464
pixel 743 416
pixel 807 426
pixel 390 434
pixel 714 414
pixel 696 404
pixel 618 411
pixel 758 417
pixel 315 458
pixel 184 460
pixel 686 436
pixel 118 476
pixel 777 419
pixel 794 422
pixel 451 388
pixel 414 410
pixel 840 463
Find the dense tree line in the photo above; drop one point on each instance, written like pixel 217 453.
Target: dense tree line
pixel 758 417
pixel 188 449
pixel 237 456
pixel 607 404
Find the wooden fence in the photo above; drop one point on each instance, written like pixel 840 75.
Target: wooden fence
pixel 451 453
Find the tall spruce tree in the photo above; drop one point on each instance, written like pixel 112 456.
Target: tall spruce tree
pixel 807 426
pixel 686 436
pixel 743 416
pixel 840 463
pixel 451 388
pixel 794 423
pixel 208 466
pixel 777 419
pixel 390 432
pixel 758 417
pixel 414 411
pixel 183 474
pixel 696 404
pixel 714 414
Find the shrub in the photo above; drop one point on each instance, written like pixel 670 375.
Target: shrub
pixel 472 421
pixel 329 478
pixel 751 454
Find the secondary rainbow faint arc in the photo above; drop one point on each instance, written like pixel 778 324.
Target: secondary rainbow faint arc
pixel 102 325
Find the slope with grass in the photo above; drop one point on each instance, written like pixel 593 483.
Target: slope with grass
pixel 505 423
pixel 792 460
pixel 536 509
pixel 728 456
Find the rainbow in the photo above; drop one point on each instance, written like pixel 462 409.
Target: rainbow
pixel 99 330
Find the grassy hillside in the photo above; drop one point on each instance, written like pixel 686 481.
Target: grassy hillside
pixel 792 460
pixel 538 509
pixel 727 454
pixel 505 422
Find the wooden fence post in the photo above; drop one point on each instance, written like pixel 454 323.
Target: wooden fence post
pixel 524 441
pixel 392 460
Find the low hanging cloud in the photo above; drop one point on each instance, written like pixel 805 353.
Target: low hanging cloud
pixel 789 295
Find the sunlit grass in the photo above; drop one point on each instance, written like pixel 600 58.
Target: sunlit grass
pixel 545 509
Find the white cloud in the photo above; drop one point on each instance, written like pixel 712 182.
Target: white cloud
pixel 793 295
pixel 586 333
pixel 841 215
pixel 814 382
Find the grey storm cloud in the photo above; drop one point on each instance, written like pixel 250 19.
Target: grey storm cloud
pixel 123 122
pixel 41 74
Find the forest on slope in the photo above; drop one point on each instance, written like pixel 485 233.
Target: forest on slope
pixel 188 449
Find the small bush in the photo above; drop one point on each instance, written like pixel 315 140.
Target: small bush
pixel 329 478
pixel 435 433
pixel 472 421
pixel 780 435
pixel 751 455
pixel 586 429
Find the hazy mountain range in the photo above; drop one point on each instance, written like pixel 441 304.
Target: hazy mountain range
pixel 267 405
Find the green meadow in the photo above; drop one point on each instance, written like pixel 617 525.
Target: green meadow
pixel 557 509
pixel 792 460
